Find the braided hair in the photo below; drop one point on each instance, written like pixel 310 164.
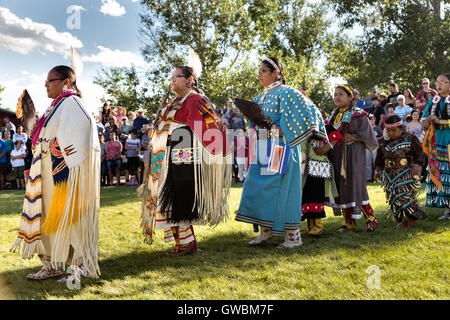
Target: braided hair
pixel 272 68
pixel 187 72
pixel 68 73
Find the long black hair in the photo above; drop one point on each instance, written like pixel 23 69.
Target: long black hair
pixel 66 72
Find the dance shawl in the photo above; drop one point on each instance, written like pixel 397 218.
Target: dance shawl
pixel 187 181
pixel 68 135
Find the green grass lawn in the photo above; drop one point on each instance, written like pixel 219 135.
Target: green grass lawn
pixel 413 263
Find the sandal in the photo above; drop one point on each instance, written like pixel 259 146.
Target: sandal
pixel 44 273
pixel 77 274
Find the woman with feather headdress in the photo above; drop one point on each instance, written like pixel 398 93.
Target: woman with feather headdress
pixel 272 193
pixel 59 222
pixel 188 170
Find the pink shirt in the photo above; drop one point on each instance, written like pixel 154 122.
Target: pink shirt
pixel 113 147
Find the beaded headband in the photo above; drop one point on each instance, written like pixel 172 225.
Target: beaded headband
pixel 346 87
pixel 393 125
pixel 273 64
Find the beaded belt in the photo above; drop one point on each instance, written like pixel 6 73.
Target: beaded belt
pixel 396 163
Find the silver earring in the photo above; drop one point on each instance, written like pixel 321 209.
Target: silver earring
pixel 64 88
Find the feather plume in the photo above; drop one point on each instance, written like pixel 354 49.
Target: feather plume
pixel 254 113
pixel 77 62
pixel 25 110
pixel 195 63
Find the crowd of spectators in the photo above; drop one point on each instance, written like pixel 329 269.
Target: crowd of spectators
pixel 15 155
pixel 408 107
pixel 124 135
pixel 124 142
pixel 237 134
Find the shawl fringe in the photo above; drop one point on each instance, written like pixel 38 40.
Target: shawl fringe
pixel 80 215
pixel 30 220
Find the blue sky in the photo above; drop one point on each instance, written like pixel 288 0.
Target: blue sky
pixel 37 35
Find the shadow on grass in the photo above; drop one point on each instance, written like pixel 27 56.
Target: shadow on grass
pixel 11 202
pixel 224 251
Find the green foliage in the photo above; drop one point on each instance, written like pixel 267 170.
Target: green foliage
pixel 220 32
pixel 1 90
pixel 404 42
pixel 124 88
pixel 300 39
pixel 229 36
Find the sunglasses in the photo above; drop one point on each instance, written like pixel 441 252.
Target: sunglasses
pixel 51 80
pixel 178 76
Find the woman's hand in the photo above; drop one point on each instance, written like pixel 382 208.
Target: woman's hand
pixel 350 138
pixel 323 150
pixel 433 118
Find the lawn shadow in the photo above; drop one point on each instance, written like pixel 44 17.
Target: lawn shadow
pixel 11 202
pixel 220 252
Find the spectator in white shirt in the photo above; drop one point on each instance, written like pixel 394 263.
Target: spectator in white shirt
pixel 20 135
pixel 402 110
pixel 18 163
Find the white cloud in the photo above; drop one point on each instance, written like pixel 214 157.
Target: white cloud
pixel 112 8
pixel 115 58
pixel 34 83
pixel 24 35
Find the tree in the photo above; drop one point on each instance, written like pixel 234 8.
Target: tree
pixel 1 90
pixel 224 33
pixel 228 35
pixel 124 88
pixel 301 39
pixel 407 40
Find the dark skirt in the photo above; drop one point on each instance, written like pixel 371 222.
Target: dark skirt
pixel 313 198
pixel 178 193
